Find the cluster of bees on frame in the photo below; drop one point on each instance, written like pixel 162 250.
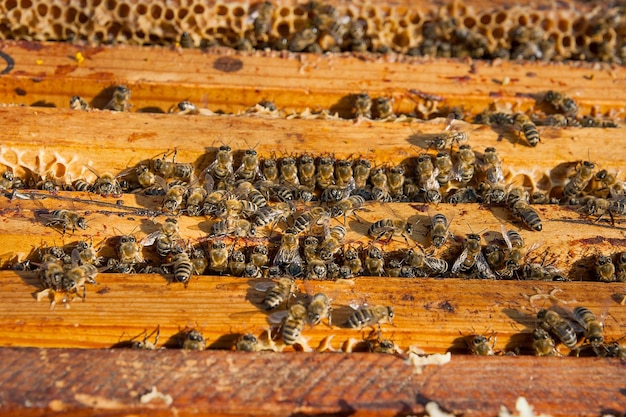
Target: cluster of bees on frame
pixel 326 29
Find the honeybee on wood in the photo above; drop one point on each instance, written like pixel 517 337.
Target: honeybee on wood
pixel 65 219
pixel 233 226
pixel 561 103
pixel 306 171
pixel 332 242
pixel 303 39
pixel 146 344
pixel 559 327
pixel 527 127
pixel 463 170
pixel 352 261
pixel 492 166
pixel 182 265
pixel 289 171
pixel 259 256
pixel 58 286
pixel 482 345
pixel 249 170
pixel 279 292
pixel 273 215
pixel 425 265
pixel 374 262
pixel 620 267
pixel 543 343
pixel 185 107
pixel 78 103
pixel 312 218
pixel 84 253
pixel 294 324
pixel 517 202
pixel 199 260
pixel 174 195
pixel 390 228
pixel 439 230
pixel 346 206
pixel 594 329
pixel 380 185
pixel 370 316
pixel 604 268
pixel 218 256
pixel 129 250
pixel 578 182
pixel 269 169
pixel 237 263
pixel 362 107
pixel 325 176
pixel 166 169
pixel 605 185
pixel 106 184
pixel 247 343
pixel 319 308
pixel 464 195
pixel 262 19
pixel 362 170
pixel 471 260
pixel 383 108
pixel 444 167
pixel 166 238
pixel 120 100
pixel 288 252
pixel 192 339
pixel 221 170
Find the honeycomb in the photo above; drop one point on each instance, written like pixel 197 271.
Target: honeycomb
pixel 451 30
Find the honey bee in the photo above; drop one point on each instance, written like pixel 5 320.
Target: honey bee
pixel 394 267
pixel 185 108
pixel 362 169
pixel 183 267
pixel 515 244
pixel 263 19
pixel 129 251
pixel 269 170
pixel 528 128
pixel 84 253
pixel 193 340
pixel 173 199
pixel 185 40
pixel 222 168
pixel 447 138
pixel 303 39
pixel 605 185
pixel 370 316
pixel 594 329
pixel 120 100
pixel 294 324
pixel 51 275
pixel 106 184
pixel 306 171
pixel 218 256
pixel 311 244
pixel 472 258
pixel 604 268
pixel 383 108
pixel 81 185
pixel 194 202
pixel 232 226
pixel 543 343
pixel 199 260
pixel 380 185
pixel 620 267
pixel 344 175
pixel 316 269
pixel 349 205
pixel 259 256
pixel 482 345
pixel 464 168
pixel 390 228
pixel 273 215
pixel 319 308
pixel 289 171
pixel 464 195
pixel 425 265
pixel 443 167
pixel 352 261
pixel 312 218
pixel 385 346
pixel 66 219
pixel 492 166
pixel 541 272
pixel 249 169
pixel 58 285
pixel 374 262
pixel 551 321
pixel 179 170
pixel 288 252
pixel 145 344
pixel 524 212
pixel 578 182
pixel 325 172
pixel 561 103
pixel 362 106
pixel 165 239
pixel 439 230
pixel 279 292
pixel 237 263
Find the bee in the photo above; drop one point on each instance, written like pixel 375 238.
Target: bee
pixel 145 344
pixel 166 238
pixel 551 321
pixel 302 39
pixel 237 263
pixel 311 244
pixel 332 243
pixel 249 169
pixel 259 256
pixel 252 271
pixel 319 309
pixel 578 182
pixel 179 170
pixel 294 324
pixel 464 169
pixel 120 100
pixel 273 215
pixel 374 262
pixel 604 268
pixel 540 272
pixel 524 212
pixel 51 275
pixel 543 343
pixel 247 343
pixel 66 219
pixel 288 252
pixel 84 253
pixel 129 251
pixel 78 103
pixel 425 265
pixel 620 267
pixel 289 171
pixel 183 267
pixel 385 346
pixel 362 169
pixel 199 260
pixel 395 182
pixel 145 177
pixel 439 230
pixel 528 128
pixel 443 167
pixel 269 170
pixel 278 293
pixel 173 199
pixel 247 191
pixel 346 206
pixel 80 274
pixel 194 201
pixel 311 218
pixel 193 340
pixel 605 185
pixel 353 262
pixel 390 228
pixel 492 166
pixel 362 106
pixel 218 256
pixel 561 103
pixel 263 19
pixel 594 329
pixel 316 269
pixel 447 138
pixel 383 108
pixel 472 258
pixel 515 244
pixel 58 285
pixel 370 316
pixel 106 184
pixel 233 208
pixel 81 185
pixel 232 226
pixel 482 345
pixel 185 40
pixel 306 171
pixel 222 168
pixel 464 195
pixel 394 267
pixel 344 175
pixel 380 185
pixel 325 172
pixel 496 258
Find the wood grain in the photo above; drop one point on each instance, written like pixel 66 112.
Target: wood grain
pixel 48 74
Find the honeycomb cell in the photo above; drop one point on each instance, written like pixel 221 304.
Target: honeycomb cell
pixel 123 11
pixel 42 10
pixel 198 9
pixel 82 19
pixel 156 11
pixel 70 15
pixel 485 19
pixel 284 12
pixel 564 25
pixel 469 22
pixel 110 4
pixel 238 11
pixel 10 5
pixel 501 18
pixel 55 12
pixel 402 39
pixel 141 9
pixel 182 13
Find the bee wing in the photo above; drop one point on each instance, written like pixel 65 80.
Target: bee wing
pixel 150 239
pixel 278 317
pixel 350 186
pixel 75 257
pixel 483 267
pixel 161 182
pixel 456 267
pixel 264 286
pixel 436 264
pixel 506 237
